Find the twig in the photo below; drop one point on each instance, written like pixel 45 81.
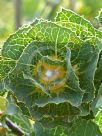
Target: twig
pixel 15 129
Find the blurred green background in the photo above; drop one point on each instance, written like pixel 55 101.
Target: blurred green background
pixel 15 13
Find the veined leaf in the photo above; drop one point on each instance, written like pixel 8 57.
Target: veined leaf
pixel 82 28
pixel 6 66
pixel 3 105
pixel 25 84
pixel 78 24
pixel 43 31
pixel 99 120
pixel 99 17
pixel 79 128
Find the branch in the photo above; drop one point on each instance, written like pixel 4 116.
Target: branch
pixel 15 129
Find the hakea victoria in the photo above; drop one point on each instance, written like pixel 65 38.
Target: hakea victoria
pixel 54 68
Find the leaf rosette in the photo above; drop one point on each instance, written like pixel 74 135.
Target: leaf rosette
pixel 52 65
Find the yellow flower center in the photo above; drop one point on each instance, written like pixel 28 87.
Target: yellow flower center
pixel 50 75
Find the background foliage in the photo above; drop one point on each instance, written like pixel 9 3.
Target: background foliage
pixel 30 9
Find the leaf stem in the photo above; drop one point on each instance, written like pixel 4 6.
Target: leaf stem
pixel 15 129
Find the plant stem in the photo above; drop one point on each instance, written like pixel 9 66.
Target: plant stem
pixel 15 129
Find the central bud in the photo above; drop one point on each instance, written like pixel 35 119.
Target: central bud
pixel 50 74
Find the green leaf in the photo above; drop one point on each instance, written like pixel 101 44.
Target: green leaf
pixel 99 17
pixel 15 44
pixel 78 24
pixel 3 105
pixel 82 28
pixel 79 128
pixel 99 120
pixel 6 65
pixel 83 127
pixel 22 122
pixel 88 66
pixel 23 83
pixel 98 102
pixel 42 31
pixel 98 78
